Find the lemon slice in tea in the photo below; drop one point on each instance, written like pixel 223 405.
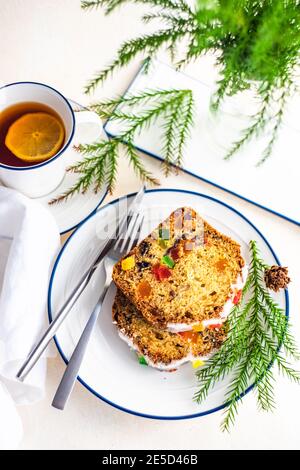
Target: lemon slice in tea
pixel 35 137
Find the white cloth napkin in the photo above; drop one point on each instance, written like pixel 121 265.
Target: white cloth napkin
pixel 29 241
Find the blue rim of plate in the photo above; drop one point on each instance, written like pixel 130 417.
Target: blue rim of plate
pixel 66 145
pixel 106 400
pixel 201 178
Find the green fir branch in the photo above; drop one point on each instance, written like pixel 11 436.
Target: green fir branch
pixel 100 159
pixel 111 5
pixel 90 4
pixel 257 329
pixel 251 52
pixel 147 45
pixel 258 122
pixel 277 119
pixel 137 165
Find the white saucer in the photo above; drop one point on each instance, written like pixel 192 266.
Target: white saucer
pixel 71 213
pixel 110 370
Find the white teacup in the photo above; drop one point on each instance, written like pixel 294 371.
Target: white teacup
pixel 42 178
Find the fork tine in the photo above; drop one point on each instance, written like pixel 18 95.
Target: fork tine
pixel 132 211
pixel 128 235
pixel 131 217
pixel 122 238
pixel 133 235
pixel 135 239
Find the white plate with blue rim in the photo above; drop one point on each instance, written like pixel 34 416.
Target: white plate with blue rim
pixel 110 370
pixel 70 213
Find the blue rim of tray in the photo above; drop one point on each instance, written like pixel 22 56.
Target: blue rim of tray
pixel 201 178
pixel 90 389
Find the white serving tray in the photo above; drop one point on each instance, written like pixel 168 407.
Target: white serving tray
pixel 274 186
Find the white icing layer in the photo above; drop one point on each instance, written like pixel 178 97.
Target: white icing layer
pixel 160 365
pixel 227 307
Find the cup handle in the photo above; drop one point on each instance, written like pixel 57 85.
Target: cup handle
pixel 88 127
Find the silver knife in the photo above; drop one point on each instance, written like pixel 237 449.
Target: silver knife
pixel 62 314
pixel 120 249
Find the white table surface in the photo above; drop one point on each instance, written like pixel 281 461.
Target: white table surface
pixel 54 42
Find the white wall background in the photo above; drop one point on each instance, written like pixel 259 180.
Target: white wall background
pixel 53 41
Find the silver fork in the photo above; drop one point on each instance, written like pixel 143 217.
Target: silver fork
pixel 119 250
pixel 66 308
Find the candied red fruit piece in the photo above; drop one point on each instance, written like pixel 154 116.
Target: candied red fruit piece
pixel 237 297
pixel 215 325
pixel 191 336
pixel 161 272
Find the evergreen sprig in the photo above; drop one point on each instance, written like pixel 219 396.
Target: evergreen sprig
pixel 257 329
pixel 110 5
pixel 100 159
pixel 257 46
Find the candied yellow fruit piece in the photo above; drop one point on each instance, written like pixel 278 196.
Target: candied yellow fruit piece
pixel 197 363
pixel 128 263
pixel 198 327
